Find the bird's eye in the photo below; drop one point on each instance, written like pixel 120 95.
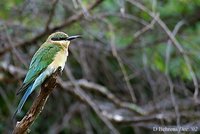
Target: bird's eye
pixel 63 38
pixel 54 39
pixel 58 38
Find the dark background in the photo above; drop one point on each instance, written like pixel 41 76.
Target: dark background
pixel 136 67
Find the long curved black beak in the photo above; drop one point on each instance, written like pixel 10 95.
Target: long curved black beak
pixel 73 37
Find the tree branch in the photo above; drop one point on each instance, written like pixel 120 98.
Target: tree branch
pixel 74 18
pixel 38 105
pixel 51 15
pixel 84 84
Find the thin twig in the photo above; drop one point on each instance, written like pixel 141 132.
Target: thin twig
pixel 175 42
pixel 66 23
pixel 51 14
pixel 14 50
pixel 12 69
pixel 171 85
pixel 77 90
pixel 146 28
pixel 84 9
pixel 85 119
pixel 57 127
pixel 103 90
pixel 119 60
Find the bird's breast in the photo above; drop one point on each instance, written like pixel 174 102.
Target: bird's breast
pixel 59 60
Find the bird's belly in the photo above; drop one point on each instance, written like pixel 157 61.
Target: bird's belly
pixel 59 60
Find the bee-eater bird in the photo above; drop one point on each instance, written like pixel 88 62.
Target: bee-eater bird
pixel 48 58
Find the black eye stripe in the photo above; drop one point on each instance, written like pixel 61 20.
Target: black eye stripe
pixel 63 38
pixel 58 38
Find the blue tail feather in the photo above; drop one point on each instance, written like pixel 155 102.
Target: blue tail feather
pixel 23 100
pixel 31 88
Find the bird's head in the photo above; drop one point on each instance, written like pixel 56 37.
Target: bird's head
pixel 61 38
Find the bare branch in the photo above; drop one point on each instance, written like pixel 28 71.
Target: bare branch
pixel 38 105
pixel 175 42
pixel 103 90
pixel 51 14
pixel 66 23
pixel 119 60
pixel 80 93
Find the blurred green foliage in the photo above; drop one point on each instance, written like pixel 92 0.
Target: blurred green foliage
pixel 33 18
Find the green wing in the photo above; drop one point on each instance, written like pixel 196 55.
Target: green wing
pixel 40 61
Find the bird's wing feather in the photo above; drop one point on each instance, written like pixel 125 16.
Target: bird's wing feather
pixel 42 58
